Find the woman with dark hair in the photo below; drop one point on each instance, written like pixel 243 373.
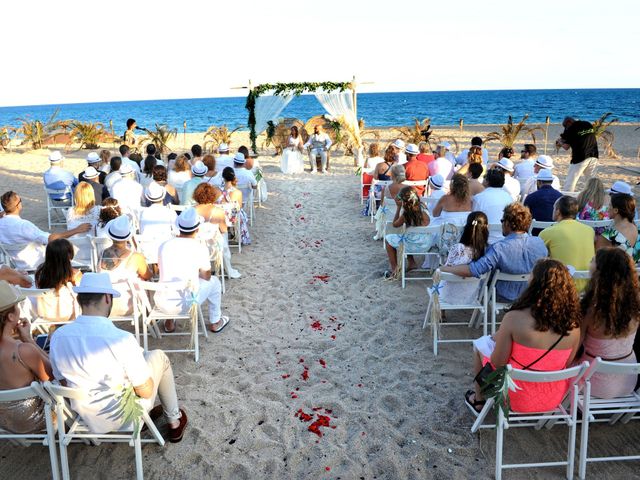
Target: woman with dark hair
pixel 455 206
pixel 541 332
pixel 56 273
pixel 410 213
pixel 232 197
pixel 292 161
pixel 611 311
pixel 160 177
pixel 472 246
pixel 146 176
pixel 624 232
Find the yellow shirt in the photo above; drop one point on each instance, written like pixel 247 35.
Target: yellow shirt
pixel 572 243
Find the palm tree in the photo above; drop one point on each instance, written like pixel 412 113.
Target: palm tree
pixel 600 129
pixel 161 136
pixel 217 135
pixel 5 139
pixel 508 134
pixel 87 134
pixel 418 132
pixel 36 133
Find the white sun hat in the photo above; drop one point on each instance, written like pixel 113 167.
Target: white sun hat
pixel 119 229
pixel 436 181
pixel 223 147
pixel 239 158
pixel 199 169
pixel 96 283
pixel 90 173
pixel 506 164
pixel 155 192
pixel 544 161
pixel 544 175
pixel 189 220
pixel 93 157
pixel 125 169
pixel 398 144
pixel 411 149
pixel 55 156
pixel 620 187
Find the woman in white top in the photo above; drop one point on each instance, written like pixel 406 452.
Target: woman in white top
pixel 85 209
pixel 146 176
pixel 292 161
pixel 374 156
pixel 181 172
pixel 455 206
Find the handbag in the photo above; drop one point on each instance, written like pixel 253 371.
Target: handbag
pixel 488 369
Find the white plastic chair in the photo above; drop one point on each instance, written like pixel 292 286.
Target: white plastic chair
pixel 478 306
pixel 434 231
pixel 247 200
pixel 390 208
pixel 597 223
pixel 136 316
pixel 496 306
pixel 77 429
pixel 55 207
pixel 495 232
pixel 558 415
pixel 38 323
pixel 151 314
pixel 85 257
pixel 570 194
pixel 372 195
pixel 417 183
pixel 46 438
pixel 608 410
pixel 538 224
pixel 368 171
pixel 11 253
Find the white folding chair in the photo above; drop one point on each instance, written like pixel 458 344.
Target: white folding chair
pixel 17 255
pixel 495 232
pixel 135 318
pixel 368 171
pixel 58 207
pixel 85 257
pixel 38 323
pixel 417 183
pixel 570 194
pixel 151 314
pixel 247 200
pixel 597 223
pixel 178 208
pixel 236 226
pixel 408 249
pixel 372 195
pixel 538 224
pixel 608 410
pixel 47 437
pixel 496 306
pixel 478 306
pixel 389 209
pixel 72 427
pixel 100 244
pixel 537 419
pixel 148 246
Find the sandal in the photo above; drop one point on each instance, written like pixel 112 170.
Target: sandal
pixel 387 275
pixel 169 322
pixel 474 404
pixel 225 322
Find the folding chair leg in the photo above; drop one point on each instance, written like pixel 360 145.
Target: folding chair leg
pixel 138 449
pixel 403 267
pixel 584 434
pixel 499 444
pixel 64 458
pixel 51 440
pixel 571 447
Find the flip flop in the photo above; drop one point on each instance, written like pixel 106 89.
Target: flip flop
pixel 473 404
pixel 167 330
pixel 225 321
pixel 387 274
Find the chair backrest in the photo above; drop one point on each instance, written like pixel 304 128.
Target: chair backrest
pixel 511 277
pixel 11 253
pixel 581 274
pixel 430 229
pixel 60 392
pixel 143 287
pixel 574 374
pixel 33 390
pixel 611 368
pixel 247 193
pixel 59 192
pixel 382 183
pixel 453 278
pixel 416 183
pixel 597 223
pixel 85 253
pixel 537 224
pixel 569 194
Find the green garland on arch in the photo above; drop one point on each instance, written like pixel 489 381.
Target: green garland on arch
pixel 284 89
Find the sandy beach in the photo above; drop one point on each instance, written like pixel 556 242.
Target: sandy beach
pixel 315 329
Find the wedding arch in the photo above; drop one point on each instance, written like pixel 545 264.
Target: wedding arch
pixel 266 101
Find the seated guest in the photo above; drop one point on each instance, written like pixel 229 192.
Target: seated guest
pixel 541 332
pixel 243 175
pixel 388 196
pixel 224 160
pixel 464 155
pixel 425 156
pixel 114 176
pixel 91 353
pixel 455 206
pixel 104 165
pixel 110 210
pixel 181 172
pixel 56 178
pixel 146 176
pixel 16 230
pixel 414 169
pixel 445 151
pixel 232 195
pixel 374 157
pixel 610 309
pixel 398 150
pixel 198 170
pixel 57 274
pixel 492 199
pixel 196 154
pixel 440 165
pixel 593 204
pixel 213 176
pixel 124 153
pixel 21 362
pixel 511 185
pixel 472 246
pixel 620 187
pixel 157 220
pixel 160 177
pixel 543 162
pixel 93 160
pixel 517 253
pixel 85 209
pixel 505 152
pixel 186 259
pixel 436 191
pixel 474 155
pixel 127 191
pixel 152 151
pixel 122 263
pixel 382 169
pixel 569 241
pixel 410 213
pixel 100 192
pixel 523 170
pixel 475 172
pixel 624 232
pixel 542 201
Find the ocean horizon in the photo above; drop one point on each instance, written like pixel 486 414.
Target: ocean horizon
pixel 378 109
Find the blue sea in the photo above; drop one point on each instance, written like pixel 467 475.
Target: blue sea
pixel 377 109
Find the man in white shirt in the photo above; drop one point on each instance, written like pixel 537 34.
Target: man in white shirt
pixel 114 176
pixel 511 185
pixel 318 145
pixel 398 149
pixel 124 153
pixel 186 259
pixel 224 159
pixel 440 164
pixel 461 159
pixel 127 191
pixel 93 160
pixel 16 231
pixel 157 222
pixel 523 170
pixel 245 177
pixel 57 178
pixel 92 354
pixel 492 200
pixel 543 161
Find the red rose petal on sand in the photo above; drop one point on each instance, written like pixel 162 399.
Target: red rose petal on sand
pixel 286 375
pixel 302 360
pixel 323 363
pixel 327 468
pixel 317 326
pixel 298 205
pixel 305 374
pixel 304 417
pixel 322 421
pixel 360 385
pixel 333 337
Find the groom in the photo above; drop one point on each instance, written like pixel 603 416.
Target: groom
pixel 318 144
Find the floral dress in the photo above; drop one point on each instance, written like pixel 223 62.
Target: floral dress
pixel 232 213
pixel 459 294
pixel 589 212
pixel 620 241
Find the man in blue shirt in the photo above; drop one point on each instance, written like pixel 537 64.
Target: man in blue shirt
pixel 517 253
pixel 541 201
pixel 57 178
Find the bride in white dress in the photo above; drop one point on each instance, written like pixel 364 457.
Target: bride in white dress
pixel 292 161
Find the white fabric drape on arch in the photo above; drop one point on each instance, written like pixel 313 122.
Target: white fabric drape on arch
pixel 268 107
pixel 340 104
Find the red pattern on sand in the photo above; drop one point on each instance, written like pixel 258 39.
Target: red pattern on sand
pixel 322 421
pixel 323 363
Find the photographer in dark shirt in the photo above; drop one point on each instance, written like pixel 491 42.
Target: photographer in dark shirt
pixel 580 137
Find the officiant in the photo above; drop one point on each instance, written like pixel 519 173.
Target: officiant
pixel 318 145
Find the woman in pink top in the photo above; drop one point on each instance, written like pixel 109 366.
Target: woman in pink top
pixel 541 330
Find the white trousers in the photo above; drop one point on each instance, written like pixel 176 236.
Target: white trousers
pixel 588 166
pixel 209 291
pixel 313 153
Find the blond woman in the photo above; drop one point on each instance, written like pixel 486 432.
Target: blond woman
pixel 85 209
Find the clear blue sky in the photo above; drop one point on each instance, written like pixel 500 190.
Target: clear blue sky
pixel 77 51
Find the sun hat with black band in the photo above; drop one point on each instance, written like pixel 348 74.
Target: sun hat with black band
pixel 506 164
pixel 411 149
pixel 544 175
pixel 199 169
pixel 55 156
pixel 398 144
pixel 93 157
pixel 620 187
pixel 9 295
pixel 239 158
pixel 544 161
pixel 90 173
pixel 155 192
pixel 223 147
pixel 125 169
pixel 436 181
pixel 119 229
pixel 189 220
pixel 96 283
